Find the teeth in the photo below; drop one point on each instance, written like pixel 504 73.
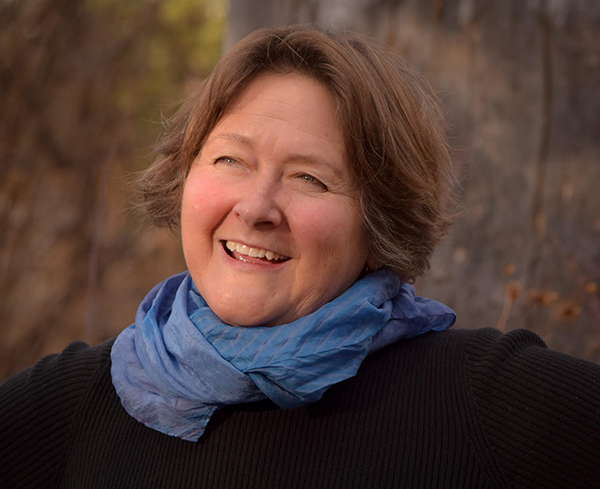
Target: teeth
pixel 254 252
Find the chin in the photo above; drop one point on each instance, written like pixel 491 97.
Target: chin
pixel 249 320
pixel 248 317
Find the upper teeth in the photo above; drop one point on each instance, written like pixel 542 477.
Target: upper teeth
pixel 255 252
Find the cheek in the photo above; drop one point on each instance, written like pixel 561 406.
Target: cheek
pixel 204 205
pixel 332 233
pixel 202 200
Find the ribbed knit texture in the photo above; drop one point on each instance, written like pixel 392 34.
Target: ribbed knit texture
pixel 457 409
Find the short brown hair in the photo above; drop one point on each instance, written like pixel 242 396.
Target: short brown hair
pixel 396 147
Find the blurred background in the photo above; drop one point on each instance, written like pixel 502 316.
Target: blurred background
pixel 86 84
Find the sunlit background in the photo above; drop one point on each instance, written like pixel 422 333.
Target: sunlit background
pixel 85 86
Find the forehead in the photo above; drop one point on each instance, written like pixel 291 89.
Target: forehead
pixel 291 105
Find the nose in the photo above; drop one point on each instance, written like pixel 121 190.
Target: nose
pixel 258 206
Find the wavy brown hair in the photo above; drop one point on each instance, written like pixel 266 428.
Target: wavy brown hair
pixel 396 147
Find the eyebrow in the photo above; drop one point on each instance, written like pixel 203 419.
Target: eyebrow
pixel 293 158
pixel 232 136
pixel 313 160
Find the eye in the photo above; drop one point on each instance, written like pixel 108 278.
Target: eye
pixel 309 178
pixel 226 159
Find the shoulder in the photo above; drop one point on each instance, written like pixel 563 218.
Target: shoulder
pixel 510 379
pixel 529 415
pixel 488 352
pixel 57 376
pixel 38 406
pixel 532 412
pixel 516 370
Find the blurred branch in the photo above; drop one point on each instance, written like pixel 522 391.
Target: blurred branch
pixel 538 216
pixel 98 232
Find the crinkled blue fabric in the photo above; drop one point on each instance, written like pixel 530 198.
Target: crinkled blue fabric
pixel 179 362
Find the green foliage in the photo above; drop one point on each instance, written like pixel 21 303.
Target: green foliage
pixel 196 27
pixel 170 44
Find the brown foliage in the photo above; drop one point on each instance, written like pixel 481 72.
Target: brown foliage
pixel 80 82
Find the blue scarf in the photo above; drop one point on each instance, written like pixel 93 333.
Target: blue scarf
pixel 179 362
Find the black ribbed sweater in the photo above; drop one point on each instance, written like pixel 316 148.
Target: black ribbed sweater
pixel 457 409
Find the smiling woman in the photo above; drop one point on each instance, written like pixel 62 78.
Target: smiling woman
pixel 392 138
pixel 310 176
pixel 272 177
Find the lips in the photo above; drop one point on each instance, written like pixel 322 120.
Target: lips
pixel 244 252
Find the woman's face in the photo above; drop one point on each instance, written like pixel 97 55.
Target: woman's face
pixel 270 225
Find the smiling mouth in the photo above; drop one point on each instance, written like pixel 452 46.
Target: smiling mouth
pixel 246 253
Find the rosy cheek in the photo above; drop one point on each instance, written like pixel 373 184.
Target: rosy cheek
pixel 204 199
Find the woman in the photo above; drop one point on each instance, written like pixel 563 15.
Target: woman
pixel 309 176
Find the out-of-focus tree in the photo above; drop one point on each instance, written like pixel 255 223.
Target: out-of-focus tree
pixel 82 84
pixel 520 84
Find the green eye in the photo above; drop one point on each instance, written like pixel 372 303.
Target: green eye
pixel 313 180
pixel 226 159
